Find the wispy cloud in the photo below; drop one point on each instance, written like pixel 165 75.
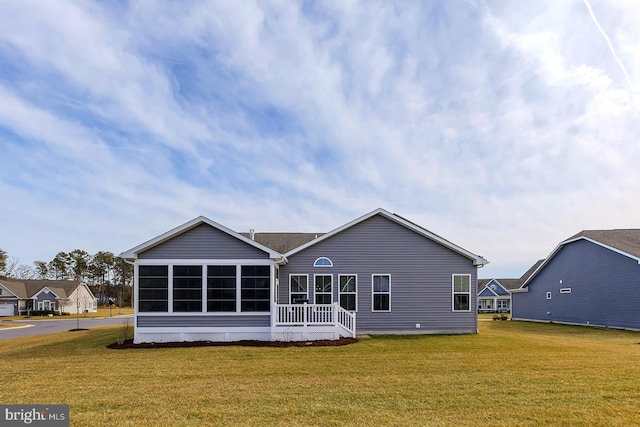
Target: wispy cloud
pixel 608 40
pixel 503 127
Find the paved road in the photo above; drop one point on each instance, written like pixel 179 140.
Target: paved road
pixel 39 327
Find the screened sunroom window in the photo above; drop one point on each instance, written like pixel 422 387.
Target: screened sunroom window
pixel 153 288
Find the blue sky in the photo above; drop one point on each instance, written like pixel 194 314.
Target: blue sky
pixel 502 126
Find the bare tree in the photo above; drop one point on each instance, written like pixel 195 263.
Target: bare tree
pixel 11 266
pixel 3 262
pixel 25 272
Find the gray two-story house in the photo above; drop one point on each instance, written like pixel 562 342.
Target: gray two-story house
pixel 377 274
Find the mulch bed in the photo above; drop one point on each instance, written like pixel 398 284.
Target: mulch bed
pixel 246 343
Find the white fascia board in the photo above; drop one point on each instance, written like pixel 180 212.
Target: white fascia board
pixel 489 289
pixel 477 260
pixel 35 296
pixel 133 252
pixel 611 248
pixel 87 288
pixel 500 284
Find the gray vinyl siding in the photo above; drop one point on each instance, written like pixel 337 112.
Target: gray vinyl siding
pixel 203 242
pixel 203 321
pixel 604 289
pixel 487 293
pixel 421 277
pixel 45 297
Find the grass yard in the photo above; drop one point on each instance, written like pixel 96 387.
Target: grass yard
pixel 102 312
pixel 512 373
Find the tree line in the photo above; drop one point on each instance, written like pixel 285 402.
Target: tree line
pixel 108 275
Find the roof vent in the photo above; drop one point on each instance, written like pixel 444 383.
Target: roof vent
pixel 252 234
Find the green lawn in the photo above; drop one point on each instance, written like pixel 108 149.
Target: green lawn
pixel 102 312
pixel 512 373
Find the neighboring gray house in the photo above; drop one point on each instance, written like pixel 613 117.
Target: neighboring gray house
pixel 494 295
pixel 592 278
pixel 377 274
pixel 69 296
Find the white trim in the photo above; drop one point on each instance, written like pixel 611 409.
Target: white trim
pixel 489 289
pixel 565 290
pixel 209 313
pixel 380 293
pixel 197 261
pixel 205 280
pixel 322 293
pixel 477 260
pixel 170 288
pixel 323 266
pixel 348 293
pixel 164 237
pixel 46 290
pixel 297 293
pixel 239 288
pixel 454 293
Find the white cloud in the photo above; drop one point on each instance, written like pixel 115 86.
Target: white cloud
pixel 503 127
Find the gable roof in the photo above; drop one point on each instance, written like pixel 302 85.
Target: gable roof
pixel 477 259
pixel 623 241
pixel 133 252
pixel 24 289
pixel 505 284
pixel 487 291
pixel 528 273
pixel 283 242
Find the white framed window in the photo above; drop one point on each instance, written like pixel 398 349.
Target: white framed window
pixel 493 287
pixel 298 288
pixel 323 261
pixel 461 287
pixel 548 295
pixel 153 288
pixel 381 292
pixel 323 288
pixel 348 291
pixel 565 290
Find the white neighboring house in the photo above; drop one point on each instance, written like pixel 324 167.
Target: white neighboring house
pixel 68 296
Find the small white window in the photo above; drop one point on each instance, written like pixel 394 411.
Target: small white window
pixel 565 290
pixel 461 284
pixel 323 262
pixel 493 287
pixel 324 288
pixel 298 288
pixel 381 292
pixel 347 291
pixel 548 295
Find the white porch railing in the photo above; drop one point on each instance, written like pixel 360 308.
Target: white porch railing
pixel 292 315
